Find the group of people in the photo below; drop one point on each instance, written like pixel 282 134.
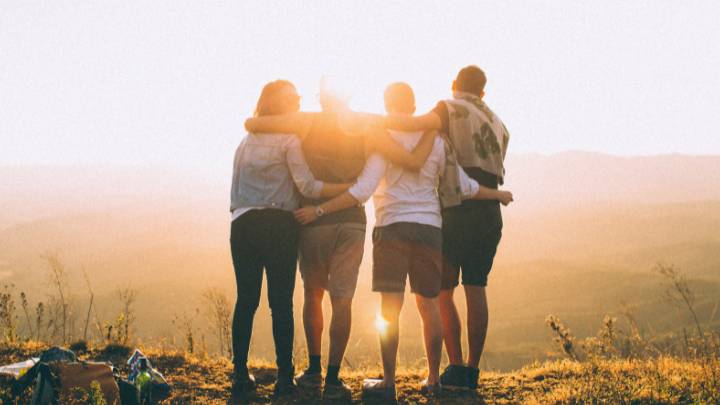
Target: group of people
pixel 299 184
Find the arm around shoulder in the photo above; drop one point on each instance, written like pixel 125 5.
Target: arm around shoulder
pixel 294 123
pixel 425 122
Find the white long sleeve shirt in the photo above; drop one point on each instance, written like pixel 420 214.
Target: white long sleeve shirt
pixel 401 195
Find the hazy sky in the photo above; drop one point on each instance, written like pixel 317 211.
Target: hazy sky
pixel 170 82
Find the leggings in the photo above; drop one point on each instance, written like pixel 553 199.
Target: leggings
pixel 264 239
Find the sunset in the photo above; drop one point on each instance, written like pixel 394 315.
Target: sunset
pixel 360 202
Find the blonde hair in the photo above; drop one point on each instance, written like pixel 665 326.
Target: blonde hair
pixel 270 102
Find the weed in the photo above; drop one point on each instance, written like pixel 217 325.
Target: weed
pixel 60 308
pixel 8 320
pixel 563 336
pixel 218 307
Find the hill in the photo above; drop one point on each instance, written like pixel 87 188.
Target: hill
pixel 574 245
pixel 204 380
pixel 577 178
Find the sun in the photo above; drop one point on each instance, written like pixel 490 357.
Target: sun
pixel 381 324
pixel 361 93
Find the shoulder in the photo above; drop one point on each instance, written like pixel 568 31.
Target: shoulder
pixel 441 110
pixel 499 122
pixel 492 113
pixel 438 147
pixel 274 139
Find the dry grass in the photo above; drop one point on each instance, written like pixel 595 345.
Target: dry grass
pixel 204 380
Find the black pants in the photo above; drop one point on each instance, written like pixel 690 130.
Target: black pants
pixel 268 239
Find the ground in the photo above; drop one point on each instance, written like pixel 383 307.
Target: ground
pixel 204 380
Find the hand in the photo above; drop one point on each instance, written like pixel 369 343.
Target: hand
pixel 305 215
pixel 505 197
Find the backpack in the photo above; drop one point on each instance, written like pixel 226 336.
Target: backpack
pixel 57 382
pixel 58 376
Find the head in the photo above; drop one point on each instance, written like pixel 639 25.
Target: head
pixel 470 79
pixel 332 96
pixel 399 99
pixel 278 97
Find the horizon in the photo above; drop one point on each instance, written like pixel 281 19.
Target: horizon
pixel 168 166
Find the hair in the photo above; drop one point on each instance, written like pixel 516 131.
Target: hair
pixel 399 97
pixel 270 101
pixel 471 79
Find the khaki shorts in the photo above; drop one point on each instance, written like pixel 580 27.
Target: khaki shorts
pixel 330 257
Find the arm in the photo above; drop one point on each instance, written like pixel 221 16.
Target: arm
pixel 413 160
pixel 359 123
pixel 294 123
pixel 306 215
pixel 470 189
pixel 425 122
pixel 485 193
pixel 333 189
pixel 300 171
pixel 360 192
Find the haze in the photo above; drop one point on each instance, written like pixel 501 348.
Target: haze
pixel 118 123
pixel 168 83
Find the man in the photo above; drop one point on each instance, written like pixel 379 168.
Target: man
pixel 331 248
pixel 407 240
pixel 471 229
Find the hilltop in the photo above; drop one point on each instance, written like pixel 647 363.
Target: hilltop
pixel 200 379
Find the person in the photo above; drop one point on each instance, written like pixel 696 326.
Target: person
pixel 471 229
pixel 267 171
pixel 332 247
pixel 407 240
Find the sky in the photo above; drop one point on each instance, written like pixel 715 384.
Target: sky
pixel 170 83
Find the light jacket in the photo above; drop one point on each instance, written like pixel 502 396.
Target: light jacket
pixel 269 171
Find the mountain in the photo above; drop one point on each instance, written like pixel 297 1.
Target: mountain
pixel 576 178
pixel 568 179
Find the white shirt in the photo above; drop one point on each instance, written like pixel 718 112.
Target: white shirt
pixel 239 211
pixel 405 196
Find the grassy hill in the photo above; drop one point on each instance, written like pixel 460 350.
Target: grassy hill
pixel 202 379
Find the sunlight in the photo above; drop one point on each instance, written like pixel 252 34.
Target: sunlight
pixel 362 93
pixel 381 324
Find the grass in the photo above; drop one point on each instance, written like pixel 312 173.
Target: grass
pixel 204 379
pixel 617 365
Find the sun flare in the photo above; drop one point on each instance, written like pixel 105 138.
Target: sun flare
pixel 381 324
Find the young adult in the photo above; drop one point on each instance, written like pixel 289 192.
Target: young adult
pixel 331 248
pixel 407 239
pixel 471 229
pixel 267 171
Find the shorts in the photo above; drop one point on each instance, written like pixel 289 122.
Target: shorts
pixel 470 239
pixel 330 257
pixel 406 249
